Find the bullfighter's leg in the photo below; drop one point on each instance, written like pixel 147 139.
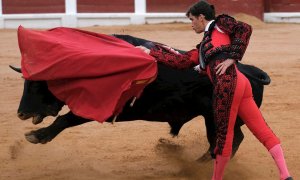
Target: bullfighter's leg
pixel 46 134
pixel 237 138
pixel 242 104
pixel 257 125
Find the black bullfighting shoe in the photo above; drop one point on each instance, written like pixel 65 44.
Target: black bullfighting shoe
pixel 289 178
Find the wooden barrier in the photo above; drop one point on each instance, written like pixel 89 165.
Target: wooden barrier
pixel 79 13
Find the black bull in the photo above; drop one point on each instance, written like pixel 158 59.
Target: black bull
pixel 176 96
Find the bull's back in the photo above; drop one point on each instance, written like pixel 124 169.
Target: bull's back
pixel 175 95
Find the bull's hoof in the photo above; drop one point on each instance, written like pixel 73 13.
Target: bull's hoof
pixel 37 119
pixel 206 157
pixel 31 138
pixel 38 136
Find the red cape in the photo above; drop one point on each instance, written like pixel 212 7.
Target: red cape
pixel 94 74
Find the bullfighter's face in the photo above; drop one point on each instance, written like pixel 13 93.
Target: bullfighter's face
pixel 198 23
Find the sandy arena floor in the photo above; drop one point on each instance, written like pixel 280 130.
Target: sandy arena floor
pixel 133 150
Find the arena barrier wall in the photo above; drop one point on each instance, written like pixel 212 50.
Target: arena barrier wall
pixel 82 13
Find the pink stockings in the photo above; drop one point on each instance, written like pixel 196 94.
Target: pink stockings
pixel 276 152
pixel 278 157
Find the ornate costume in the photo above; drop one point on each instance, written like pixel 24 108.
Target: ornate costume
pixel 226 38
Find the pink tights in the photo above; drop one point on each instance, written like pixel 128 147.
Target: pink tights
pixel 242 104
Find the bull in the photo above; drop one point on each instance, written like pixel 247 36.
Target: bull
pixel 176 97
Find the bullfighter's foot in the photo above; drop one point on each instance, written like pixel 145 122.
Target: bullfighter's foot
pixel 39 136
pixel 206 157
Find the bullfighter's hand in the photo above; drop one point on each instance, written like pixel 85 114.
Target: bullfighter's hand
pixel 199 70
pixel 171 49
pixel 143 48
pixel 222 67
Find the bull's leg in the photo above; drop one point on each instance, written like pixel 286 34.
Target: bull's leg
pixel 46 134
pixel 175 127
pixel 211 138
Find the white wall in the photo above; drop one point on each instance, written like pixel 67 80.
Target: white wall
pixel 73 19
pixel 282 17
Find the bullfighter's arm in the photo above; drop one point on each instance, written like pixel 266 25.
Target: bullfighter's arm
pixel 171 57
pixel 239 33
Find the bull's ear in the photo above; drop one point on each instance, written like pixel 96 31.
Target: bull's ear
pixel 15 69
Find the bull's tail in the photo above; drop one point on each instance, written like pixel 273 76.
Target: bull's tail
pixel 254 73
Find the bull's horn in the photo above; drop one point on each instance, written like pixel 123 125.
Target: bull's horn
pixel 114 120
pixel 15 69
pixel 132 102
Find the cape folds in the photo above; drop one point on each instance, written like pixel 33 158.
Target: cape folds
pixel 94 74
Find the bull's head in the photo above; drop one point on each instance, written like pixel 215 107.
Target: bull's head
pixel 37 101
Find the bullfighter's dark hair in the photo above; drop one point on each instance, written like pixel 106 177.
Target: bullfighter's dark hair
pixel 204 8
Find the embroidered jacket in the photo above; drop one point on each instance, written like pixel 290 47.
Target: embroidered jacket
pixel 239 34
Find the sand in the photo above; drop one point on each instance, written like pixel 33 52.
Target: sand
pixel 145 150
